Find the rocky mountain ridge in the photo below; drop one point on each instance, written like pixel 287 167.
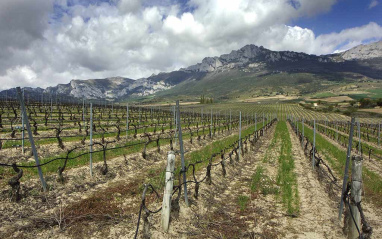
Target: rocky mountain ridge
pixel 363 59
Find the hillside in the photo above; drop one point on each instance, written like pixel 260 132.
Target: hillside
pixel 248 72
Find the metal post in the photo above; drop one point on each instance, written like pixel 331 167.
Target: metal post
pixel 379 134
pixel 33 146
pixel 255 121
pixel 23 128
pixel 83 111
pixel 211 125
pixel 303 130
pixel 239 134
pixel 314 143
pixel 346 175
pixel 230 119
pixel 359 138
pixel 176 127
pixel 182 155
pixel 91 139
pixel 127 120
pixel 51 107
pixel 139 116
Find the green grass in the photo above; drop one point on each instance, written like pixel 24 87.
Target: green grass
pixel 202 154
pixel 260 182
pixel 337 159
pixel 242 202
pixel 376 93
pixel 323 95
pixel 286 177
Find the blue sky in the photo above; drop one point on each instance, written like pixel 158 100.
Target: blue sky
pixel 344 14
pixel 47 42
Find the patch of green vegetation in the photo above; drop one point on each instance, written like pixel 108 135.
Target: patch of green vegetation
pixel 242 202
pixel 337 159
pixel 286 177
pixel 376 93
pixel 260 182
pixel 323 95
pixel 202 154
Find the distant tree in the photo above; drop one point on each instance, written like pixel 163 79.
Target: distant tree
pixel 379 102
pixel 365 102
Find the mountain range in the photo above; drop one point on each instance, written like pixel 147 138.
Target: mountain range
pixel 250 67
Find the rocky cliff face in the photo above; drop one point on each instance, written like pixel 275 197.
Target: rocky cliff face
pixel 114 87
pixel 363 52
pixel 363 59
pixel 250 54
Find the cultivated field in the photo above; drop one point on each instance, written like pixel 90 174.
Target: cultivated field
pixel 248 170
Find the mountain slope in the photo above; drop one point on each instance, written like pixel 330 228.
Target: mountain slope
pixel 239 71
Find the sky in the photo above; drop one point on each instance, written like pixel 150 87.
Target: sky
pixel 48 42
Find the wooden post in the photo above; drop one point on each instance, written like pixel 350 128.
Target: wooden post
pixel 182 154
pixel 239 135
pixel 169 181
pixel 314 143
pixel 346 175
pixel 356 191
pixel 91 140
pixel 33 146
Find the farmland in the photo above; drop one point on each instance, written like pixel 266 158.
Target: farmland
pixel 247 169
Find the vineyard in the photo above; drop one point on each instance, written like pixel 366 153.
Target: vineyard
pixel 244 170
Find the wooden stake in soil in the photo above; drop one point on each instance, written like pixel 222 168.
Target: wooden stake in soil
pixel 166 205
pixel 182 154
pixel 356 191
pixel 91 140
pixel 33 146
pixel 346 175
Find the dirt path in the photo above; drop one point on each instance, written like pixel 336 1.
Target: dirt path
pixel 318 213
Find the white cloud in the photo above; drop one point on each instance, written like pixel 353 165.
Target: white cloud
pixel 373 3
pixel 135 38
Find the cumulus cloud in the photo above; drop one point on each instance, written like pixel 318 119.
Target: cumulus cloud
pixel 54 42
